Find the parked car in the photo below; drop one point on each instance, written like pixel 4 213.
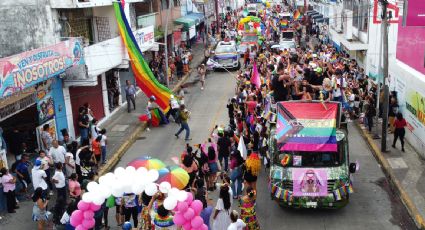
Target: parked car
pixel 225 55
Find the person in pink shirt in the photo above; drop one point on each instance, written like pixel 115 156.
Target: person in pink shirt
pixel 74 187
pixel 9 185
pixel 251 104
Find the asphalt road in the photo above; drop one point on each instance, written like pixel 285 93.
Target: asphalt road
pixel 372 206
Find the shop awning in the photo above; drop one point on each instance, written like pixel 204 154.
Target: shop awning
pixel 197 16
pixel 187 22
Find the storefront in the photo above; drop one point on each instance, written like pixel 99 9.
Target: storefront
pixel 193 24
pixel 31 90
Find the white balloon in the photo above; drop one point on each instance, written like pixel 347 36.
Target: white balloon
pixel 104 190
pixel 98 200
pixel 170 203
pixel 92 186
pixel 151 189
pixel 164 187
pixel 153 175
pixel 87 197
pixel 103 179
pixel 181 196
pixel 173 192
pixel 142 170
pixel 138 188
pixel 116 192
pixel 119 172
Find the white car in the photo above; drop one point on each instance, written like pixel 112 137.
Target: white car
pixel 224 56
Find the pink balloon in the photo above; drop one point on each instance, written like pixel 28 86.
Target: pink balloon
pixel 76 217
pixel 189 198
pixel 187 226
pixel 189 214
pixel 197 222
pixel 89 214
pixel 179 219
pixel 204 227
pixel 182 206
pixel 83 206
pixel 94 207
pixel 80 227
pixel 197 206
pixel 88 223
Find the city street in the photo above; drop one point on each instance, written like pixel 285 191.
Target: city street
pixel 372 206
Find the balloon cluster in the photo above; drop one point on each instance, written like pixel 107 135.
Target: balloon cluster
pixel 187 214
pixel 128 180
pixel 82 219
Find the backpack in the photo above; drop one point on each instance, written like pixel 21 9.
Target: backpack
pixel 178 119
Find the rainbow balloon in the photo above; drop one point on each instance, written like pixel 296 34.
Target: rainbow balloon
pixel 142 73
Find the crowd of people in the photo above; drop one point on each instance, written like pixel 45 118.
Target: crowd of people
pixel 229 163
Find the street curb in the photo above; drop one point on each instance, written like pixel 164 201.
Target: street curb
pixel 405 198
pixel 113 161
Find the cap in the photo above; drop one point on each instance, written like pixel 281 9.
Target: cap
pixel 318 69
pixel 153 98
pixel 37 163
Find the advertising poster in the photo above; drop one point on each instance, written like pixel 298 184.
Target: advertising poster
pixel 411 46
pixel 415 112
pixel 309 182
pixel 52 131
pixel 30 68
pixel 45 102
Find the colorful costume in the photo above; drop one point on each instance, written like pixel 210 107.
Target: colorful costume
pixel 248 214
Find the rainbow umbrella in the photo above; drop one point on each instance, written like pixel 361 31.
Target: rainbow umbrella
pixel 177 177
pixel 147 162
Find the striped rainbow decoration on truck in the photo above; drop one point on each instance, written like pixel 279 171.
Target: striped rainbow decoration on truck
pixel 142 73
pixel 309 127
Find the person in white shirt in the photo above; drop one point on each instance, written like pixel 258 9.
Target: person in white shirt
pixel 39 176
pixel 237 224
pixel 94 130
pixel 59 180
pixel 103 143
pixel 57 152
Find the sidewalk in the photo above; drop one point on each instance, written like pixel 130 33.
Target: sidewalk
pixel 123 129
pixel 405 170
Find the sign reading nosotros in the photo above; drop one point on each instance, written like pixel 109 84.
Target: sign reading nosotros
pixel 310 182
pixel 29 68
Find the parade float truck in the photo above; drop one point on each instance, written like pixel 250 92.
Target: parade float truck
pixel 250 31
pixel 309 156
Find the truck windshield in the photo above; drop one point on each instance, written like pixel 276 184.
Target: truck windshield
pixel 250 38
pixel 312 159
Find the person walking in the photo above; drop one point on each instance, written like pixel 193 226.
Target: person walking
pixel 399 131
pixel 248 213
pixel 103 144
pixel 59 180
pixel 130 95
pixel 57 152
pixel 9 184
pixel 46 138
pixel 202 71
pixel 223 145
pixel 39 176
pixel 83 124
pixel 39 212
pixel 184 116
pixel 130 207
pixel 237 224
pixel 221 216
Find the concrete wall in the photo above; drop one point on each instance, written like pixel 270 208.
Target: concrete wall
pixel 108 11
pixel 25 25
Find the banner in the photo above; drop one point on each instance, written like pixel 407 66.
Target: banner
pixel 415 13
pixel 309 182
pixel 45 102
pixel 145 38
pixel 29 68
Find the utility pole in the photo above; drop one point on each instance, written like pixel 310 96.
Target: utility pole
pixel 170 3
pixel 385 102
pixel 217 18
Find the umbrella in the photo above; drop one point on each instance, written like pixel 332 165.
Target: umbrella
pixel 177 177
pixel 147 162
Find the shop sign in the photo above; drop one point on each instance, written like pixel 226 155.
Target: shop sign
pixel 415 13
pixel 29 68
pixel 145 38
pixel 309 182
pixel 13 108
pixel 192 32
pixel 45 102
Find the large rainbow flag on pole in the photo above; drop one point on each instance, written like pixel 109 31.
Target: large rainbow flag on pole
pixel 142 73
pixel 308 127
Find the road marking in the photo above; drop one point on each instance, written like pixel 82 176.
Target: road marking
pixel 397 163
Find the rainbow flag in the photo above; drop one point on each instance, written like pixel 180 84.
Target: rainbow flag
pixel 297 15
pixel 308 127
pixel 142 73
pixel 284 23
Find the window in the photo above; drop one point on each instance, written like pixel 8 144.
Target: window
pixel 177 3
pixel 364 23
pixel 164 4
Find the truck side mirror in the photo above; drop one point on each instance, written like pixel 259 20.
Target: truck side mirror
pixel 352 168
